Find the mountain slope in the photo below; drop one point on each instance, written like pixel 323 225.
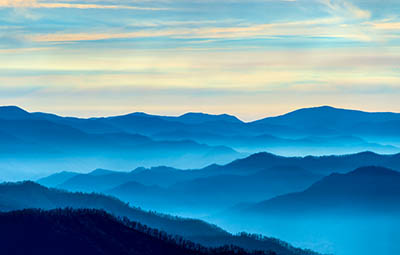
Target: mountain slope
pixel 13 112
pixel 355 213
pixel 328 120
pixel 198 117
pixel 17 196
pixel 322 164
pixel 161 176
pixel 226 189
pixel 89 232
pixel 208 190
pixel 36 145
pixel 56 179
pixel 365 189
pixel 165 176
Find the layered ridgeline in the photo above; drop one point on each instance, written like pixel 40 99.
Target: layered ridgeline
pixel 35 143
pixel 92 232
pixel 98 228
pixel 352 213
pixel 366 189
pixel 198 192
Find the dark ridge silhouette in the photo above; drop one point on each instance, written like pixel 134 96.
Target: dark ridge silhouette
pixel 18 196
pixel 366 189
pixel 89 232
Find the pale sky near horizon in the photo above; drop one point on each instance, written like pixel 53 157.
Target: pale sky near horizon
pixel 252 58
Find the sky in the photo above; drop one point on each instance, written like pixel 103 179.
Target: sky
pixel 250 58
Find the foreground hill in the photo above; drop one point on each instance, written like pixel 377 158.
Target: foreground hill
pixel 17 196
pixel 91 232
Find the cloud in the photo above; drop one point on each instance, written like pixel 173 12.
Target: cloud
pixel 48 4
pixel 326 28
pixel 346 9
pixel 386 25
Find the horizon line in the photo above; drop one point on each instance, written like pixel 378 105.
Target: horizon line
pixel 197 112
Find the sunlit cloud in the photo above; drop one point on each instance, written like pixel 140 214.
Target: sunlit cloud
pixel 50 4
pixel 250 58
pixel 386 25
pixel 346 9
pixel 308 28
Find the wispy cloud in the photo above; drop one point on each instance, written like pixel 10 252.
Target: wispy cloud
pixel 346 9
pixel 329 27
pixel 386 25
pixel 214 56
pixel 55 4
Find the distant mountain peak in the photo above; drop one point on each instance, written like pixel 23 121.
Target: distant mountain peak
pixel 261 155
pixel 101 171
pixel 199 117
pixel 367 153
pixel 13 112
pixel 137 114
pixel 26 185
pixel 374 170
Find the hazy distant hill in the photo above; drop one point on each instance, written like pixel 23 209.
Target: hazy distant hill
pixel 256 163
pixel 346 214
pixel 222 189
pixel 198 117
pixel 56 179
pixel 39 143
pixel 315 145
pixel 316 121
pixel 36 143
pixel 209 194
pixel 201 192
pixel 366 189
pixel 161 176
pixel 17 196
pixel 328 119
pixel 322 164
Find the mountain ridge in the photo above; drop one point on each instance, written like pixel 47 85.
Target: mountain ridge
pixel 370 187
pixel 322 108
pixel 23 195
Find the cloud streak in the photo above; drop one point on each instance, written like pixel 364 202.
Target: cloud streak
pixel 214 56
pixel 39 4
pixel 346 9
pixel 318 28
